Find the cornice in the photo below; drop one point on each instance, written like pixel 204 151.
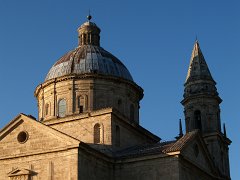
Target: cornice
pixel 199 96
pixel 87 77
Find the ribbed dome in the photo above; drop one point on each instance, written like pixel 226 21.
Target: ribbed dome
pixel 89 57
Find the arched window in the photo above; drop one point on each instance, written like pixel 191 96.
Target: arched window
pixel 62 107
pixel 119 105
pixel 82 103
pixel 132 111
pixel 119 102
pixel 47 109
pixel 117 136
pixel 97 134
pixel 198 121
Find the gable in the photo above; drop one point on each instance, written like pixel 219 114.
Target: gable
pixel 24 136
pixel 196 152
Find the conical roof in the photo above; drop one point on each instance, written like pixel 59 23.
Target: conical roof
pixel 198 68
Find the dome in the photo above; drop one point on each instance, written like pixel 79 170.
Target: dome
pixel 89 57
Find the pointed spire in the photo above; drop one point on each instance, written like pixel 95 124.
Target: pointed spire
pixel 198 68
pixel 180 130
pixel 224 130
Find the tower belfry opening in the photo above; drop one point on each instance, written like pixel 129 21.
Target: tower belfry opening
pixel 198 121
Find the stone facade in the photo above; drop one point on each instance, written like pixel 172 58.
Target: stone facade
pixel 45 153
pixel 88 125
pixel 85 93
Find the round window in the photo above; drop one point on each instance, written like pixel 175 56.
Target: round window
pixel 22 137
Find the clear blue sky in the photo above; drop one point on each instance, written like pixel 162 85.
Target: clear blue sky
pixel 153 38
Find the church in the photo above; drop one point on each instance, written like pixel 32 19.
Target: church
pixel 88 124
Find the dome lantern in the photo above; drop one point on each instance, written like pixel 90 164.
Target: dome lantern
pixel 89 33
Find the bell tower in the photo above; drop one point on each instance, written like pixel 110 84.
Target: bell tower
pixel 202 111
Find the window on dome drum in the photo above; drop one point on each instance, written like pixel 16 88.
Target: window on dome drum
pixel 117 136
pixel 47 109
pixel 120 106
pixel 132 112
pixel 97 134
pixel 82 103
pixel 198 121
pixel 62 106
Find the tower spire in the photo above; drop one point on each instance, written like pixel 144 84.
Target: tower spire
pixel 224 130
pixel 198 68
pixel 200 86
pixel 201 108
pixel 180 130
pixel 199 80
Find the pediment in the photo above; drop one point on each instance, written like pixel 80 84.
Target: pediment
pixel 196 152
pixel 24 136
pixel 20 172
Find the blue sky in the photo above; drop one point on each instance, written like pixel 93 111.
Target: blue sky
pixel 153 38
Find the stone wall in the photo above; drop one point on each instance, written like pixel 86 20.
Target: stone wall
pixel 93 167
pixel 128 135
pixel 189 171
pixel 163 168
pixel 82 127
pixel 49 166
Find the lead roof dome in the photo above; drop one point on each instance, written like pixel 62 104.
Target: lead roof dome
pixel 89 57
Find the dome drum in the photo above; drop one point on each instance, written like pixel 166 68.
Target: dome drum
pixel 83 95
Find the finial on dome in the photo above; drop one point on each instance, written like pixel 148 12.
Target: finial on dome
pixel 196 40
pixel 89 17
